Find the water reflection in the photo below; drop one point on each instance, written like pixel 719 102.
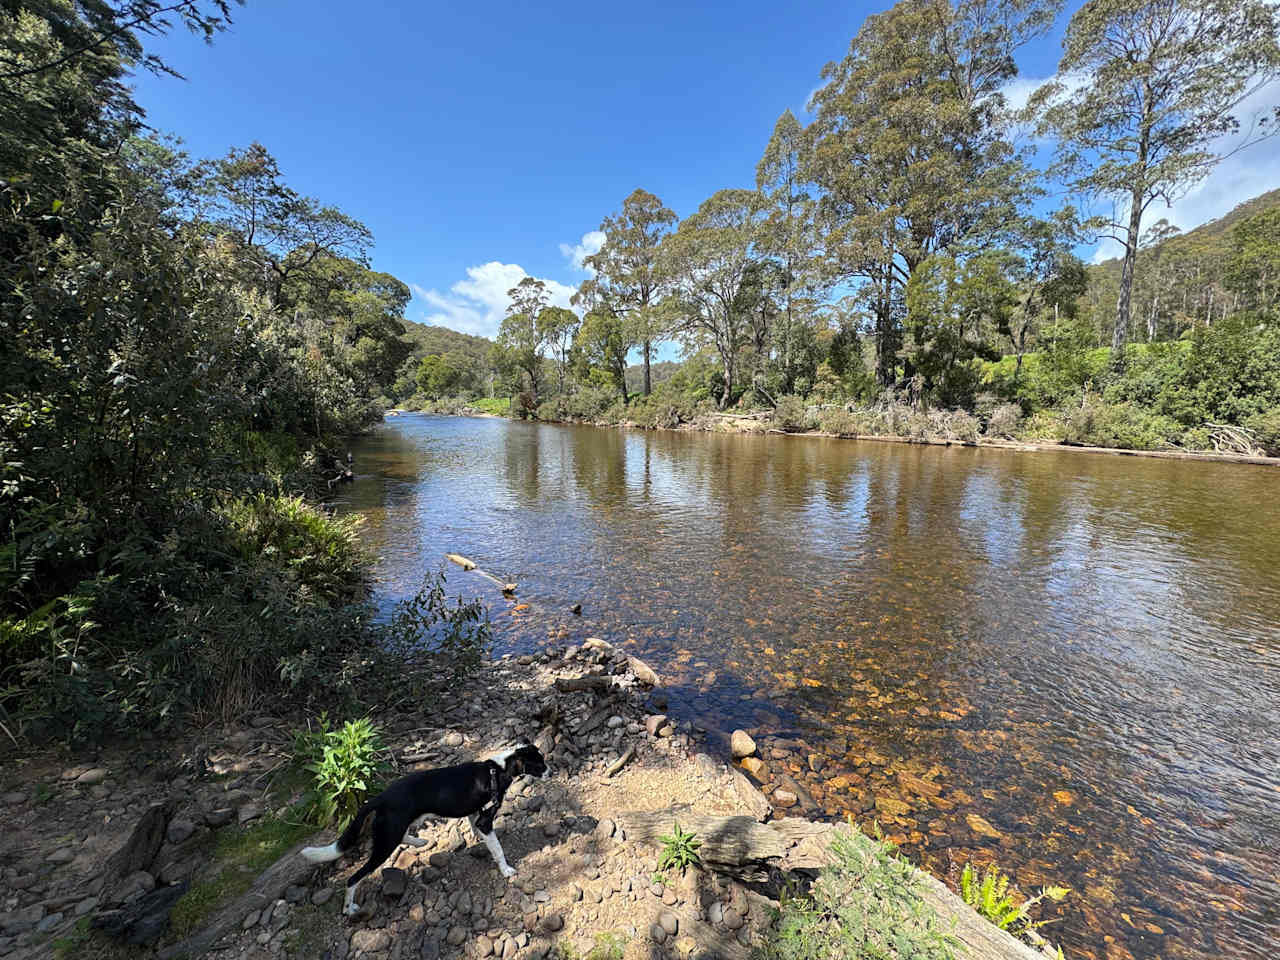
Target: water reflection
pixel 1068 663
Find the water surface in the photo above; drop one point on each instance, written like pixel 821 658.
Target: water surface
pixel 1067 663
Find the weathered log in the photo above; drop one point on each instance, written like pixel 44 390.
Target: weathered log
pixel 289 870
pixel 143 920
pixel 742 848
pixel 139 851
pixel 461 561
pixel 621 762
pixel 578 684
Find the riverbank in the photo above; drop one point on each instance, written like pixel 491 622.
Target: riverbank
pixel 760 424
pixel 584 843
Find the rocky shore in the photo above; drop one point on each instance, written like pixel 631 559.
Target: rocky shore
pixel 90 839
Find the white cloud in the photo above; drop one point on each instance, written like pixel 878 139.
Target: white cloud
pixel 477 304
pixel 576 253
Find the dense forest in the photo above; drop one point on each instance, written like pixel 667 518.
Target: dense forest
pixel 898 266
pixel 185 341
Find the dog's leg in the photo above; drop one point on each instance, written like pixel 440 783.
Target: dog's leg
pixel 411 839
pixel 386 837
pixel 495 848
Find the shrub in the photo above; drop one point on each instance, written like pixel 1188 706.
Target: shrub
pixel 679 850
pixel 426 627
pixel 344 763
pixel 1265 428
pixel 791 414
pixel 838 421
pixel 1122 426
pixel 1003 421
pixel 866 904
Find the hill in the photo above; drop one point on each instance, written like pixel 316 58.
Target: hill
pixel 428 339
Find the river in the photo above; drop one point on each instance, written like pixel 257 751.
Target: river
pixel 1066 663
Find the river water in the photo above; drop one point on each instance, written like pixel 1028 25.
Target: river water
pixel 1065 663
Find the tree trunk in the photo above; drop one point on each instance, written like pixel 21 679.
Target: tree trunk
pixel 1120 336
pixel 648 349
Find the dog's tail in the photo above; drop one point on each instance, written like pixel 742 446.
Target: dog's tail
pixel 345 842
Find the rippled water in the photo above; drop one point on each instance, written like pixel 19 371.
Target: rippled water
pixel 1079 655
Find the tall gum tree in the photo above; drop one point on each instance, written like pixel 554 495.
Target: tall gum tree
pixel 710 258
pixel 1146 96
pixel 626 271
pixel 908 148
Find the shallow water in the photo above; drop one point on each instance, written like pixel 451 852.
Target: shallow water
pixel 1067 663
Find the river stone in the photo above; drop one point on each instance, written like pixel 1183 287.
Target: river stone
pixel 715 912
pixel 20 921
pixel 785 798
pixel 741 745
pixel 670 922
pixel 654 722
pixel 732 919
pixel 220 817
pixel 90 777
pixel 456 935
pixel 180 830
pixel 14 797
pixel 552 923
pixel 251 919
pixel 367 941
pixel 439 859
pixel 322 896
pixel 61 856
pixel 394 882
pixel 656 933
pixel 482 946
pixel 453 739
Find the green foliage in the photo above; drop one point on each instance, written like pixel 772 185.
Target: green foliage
pixel 679 850
pixel 792 414
pixel 866 905
pixel 838 421
pixel 499 406
pixel 345 763
pixel 607 946
pixel 427 628
pixel 992 899
pixel 1265 428
pixel 1121 425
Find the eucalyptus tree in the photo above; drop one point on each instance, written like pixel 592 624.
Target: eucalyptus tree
pixel 519 345
pixel 626 272
pixel 602 342
pixel 557 327
pixel 908 147
pixel 1146 92
pixel 710 259
pixel 788 236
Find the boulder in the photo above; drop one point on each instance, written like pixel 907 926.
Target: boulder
pixel 741 745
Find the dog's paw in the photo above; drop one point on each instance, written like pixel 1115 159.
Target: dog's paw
pixel 507 872
pixel 352 910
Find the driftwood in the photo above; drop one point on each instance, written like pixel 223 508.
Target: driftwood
pixel 578 684
pixel 461 561
pixel 143 920
pixel 139 851
pixel 747 850
pixel 618 764
pixel 289 870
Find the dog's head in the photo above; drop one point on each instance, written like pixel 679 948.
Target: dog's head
pixel 526 760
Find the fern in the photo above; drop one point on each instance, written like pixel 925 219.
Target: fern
pixel 992 899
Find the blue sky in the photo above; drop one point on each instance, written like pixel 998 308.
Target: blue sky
pixel 484 142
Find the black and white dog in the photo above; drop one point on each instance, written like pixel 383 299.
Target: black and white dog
pixel 472 790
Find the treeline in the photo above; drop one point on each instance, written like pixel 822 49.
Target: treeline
pixel 180 344
pixel 890 252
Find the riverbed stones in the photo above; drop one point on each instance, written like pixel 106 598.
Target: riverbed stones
pixel 369 941
pixel 654 722
pixel 670 922
pixel 456 935
pixel 394 882
pixel 741 745
pixel 92 776
pixel 785 798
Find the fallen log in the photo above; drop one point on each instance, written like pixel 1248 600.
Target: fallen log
pixel 746 850
pixel 289 870
pixel 461 561
pixel 578 684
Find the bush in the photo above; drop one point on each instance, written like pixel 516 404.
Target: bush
pixel 791 414
pixel 1003 421
pixel 1122 426
pixel 868 903
pixel 1265 428
pixel 838 421
pixel 344 763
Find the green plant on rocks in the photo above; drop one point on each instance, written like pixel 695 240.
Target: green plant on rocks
pixel 345 763
pixel 679 850
pixel 992 899
pixel 866 904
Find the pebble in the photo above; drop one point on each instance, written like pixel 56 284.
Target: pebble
pixel 250 811
pixel 251 920
pixel 741 745
pixel 322 896
pixel 732 919
pixel 456 935
pixel 483 946
pixel 394 882
pixel 605 828
pixel 62 855
pixel 90 777
pixel 656 933
pixel 453 739
pixel 654 723
pixel 551 829
pixel 615 721
pixel 670 922
pixel 14 797
pixel 179 830
pixel 715 912
pixel 785 798
pixel 552 922
pixel 439 859
pixel 368 941
pixel 220 817
pixel 49 923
